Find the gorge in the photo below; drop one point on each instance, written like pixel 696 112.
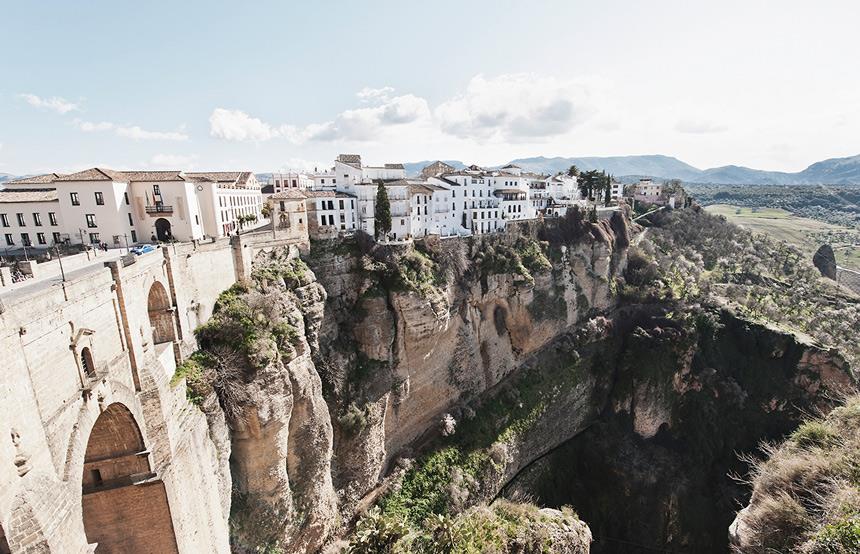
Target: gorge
pixel 416 397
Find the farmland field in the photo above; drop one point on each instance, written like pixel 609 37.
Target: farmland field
pixel 805 233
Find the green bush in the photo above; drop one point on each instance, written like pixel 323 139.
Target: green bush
pixel 814 434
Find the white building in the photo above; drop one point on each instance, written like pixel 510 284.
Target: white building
pixel 29 217
pixel 125 207
pixel 282 181
pixel 330 212
pixel 648 191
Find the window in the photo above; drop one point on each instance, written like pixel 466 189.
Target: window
pixel 87 365
pixel 25 239
pixel 196 218
pixel 91 220
pixel 130 222
pixel 9 241
pixel 52 218
pixel 37 219
pixel 4 219
pixel 94 238
pixel 21 221
pixel 294 183
pixel 156 190
pixel 340 203
pixel 75 200
pixel 100 199
pixel 40 238
pixel 125 196
pixel 57 239
pixel 134 236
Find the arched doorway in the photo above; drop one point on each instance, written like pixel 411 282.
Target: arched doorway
pixel 125 506
pixel 162 230
pixel 160 314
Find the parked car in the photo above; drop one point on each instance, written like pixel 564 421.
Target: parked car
pixel 142 249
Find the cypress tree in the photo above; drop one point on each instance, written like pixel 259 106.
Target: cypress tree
pixel 382 212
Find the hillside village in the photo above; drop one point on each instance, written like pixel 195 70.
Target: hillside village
pixel 119 209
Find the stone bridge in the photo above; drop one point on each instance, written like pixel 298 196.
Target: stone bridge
pixel 99 451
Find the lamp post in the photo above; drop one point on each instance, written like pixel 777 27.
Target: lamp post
pixel 60 260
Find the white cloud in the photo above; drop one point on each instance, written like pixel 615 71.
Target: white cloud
pixel 173 161
pixel 358 124
pixel 237 125
pixel 55 103
pixel 699 126
pixel 368 94
pixel 132 132
pixel 89 127
pixel 516 107
pixel 137 133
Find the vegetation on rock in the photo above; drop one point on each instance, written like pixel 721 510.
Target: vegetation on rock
pixel 500 528
pixel 806 493
pixel 701 257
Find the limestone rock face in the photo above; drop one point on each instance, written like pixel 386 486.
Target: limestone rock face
pixel 282 445
pixel 397 360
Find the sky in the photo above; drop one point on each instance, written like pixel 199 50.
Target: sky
pixel 266 86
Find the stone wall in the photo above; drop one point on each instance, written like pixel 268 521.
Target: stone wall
pixel 53 399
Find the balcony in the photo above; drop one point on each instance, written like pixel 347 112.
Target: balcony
pixel 159 209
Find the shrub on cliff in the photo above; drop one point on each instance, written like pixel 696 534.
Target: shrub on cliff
pixel 251 327
pixel 502 527
pixel 806 494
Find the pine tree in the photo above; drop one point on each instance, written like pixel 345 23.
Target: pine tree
pixel 382 212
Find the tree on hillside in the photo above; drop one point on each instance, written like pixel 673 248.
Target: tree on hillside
pixel 587 182
pixel 607 190
pixel 573 171
pixel 382 212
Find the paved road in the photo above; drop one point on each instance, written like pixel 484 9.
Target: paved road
pixel 25 288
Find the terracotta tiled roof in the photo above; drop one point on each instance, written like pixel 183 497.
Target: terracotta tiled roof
pixel 35 179
pixel 289 194
pixel 351 159
pixel 94 174
pixel 149 176
pixel 28 195
pixel 239 177
pixel 393 166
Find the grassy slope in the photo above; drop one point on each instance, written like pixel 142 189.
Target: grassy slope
pixel 807 234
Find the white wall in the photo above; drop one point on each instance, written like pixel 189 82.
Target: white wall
pixel 27 209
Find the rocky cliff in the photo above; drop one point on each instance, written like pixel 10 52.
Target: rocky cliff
pixel 412 334
pixel 396 392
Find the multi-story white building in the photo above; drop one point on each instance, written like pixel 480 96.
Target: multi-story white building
pixel 648 191
pixel 330 212
pixel 29 217
pixel 124 207
pixel 282 181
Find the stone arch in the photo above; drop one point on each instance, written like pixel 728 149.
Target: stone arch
pixel 125 507
pixel 160 314
pixel 87 363
pixel 162 230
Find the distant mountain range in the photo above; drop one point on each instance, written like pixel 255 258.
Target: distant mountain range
pixel 835 171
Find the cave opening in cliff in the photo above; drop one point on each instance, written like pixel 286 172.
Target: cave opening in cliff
pixel 125 505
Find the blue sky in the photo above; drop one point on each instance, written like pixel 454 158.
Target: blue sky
pixel 270 85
